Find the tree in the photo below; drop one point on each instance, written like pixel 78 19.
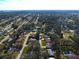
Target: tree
pixel 76 44
pixel 57 46
pixel 44 54
pixel 14 26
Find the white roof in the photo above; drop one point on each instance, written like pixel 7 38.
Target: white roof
pixel 51 58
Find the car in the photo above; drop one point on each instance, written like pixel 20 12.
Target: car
pixel 68 53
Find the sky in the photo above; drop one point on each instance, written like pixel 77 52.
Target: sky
pixel 39 5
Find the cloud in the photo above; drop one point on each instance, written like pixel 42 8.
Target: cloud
pixel 40 5
pixel 2 0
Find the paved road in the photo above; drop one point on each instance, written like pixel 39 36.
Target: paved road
pixel 6 38
pixel 4 22
pixel 8 27
pixel 24 45
pixel 36 21
pixel 25 22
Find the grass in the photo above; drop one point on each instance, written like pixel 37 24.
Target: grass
pixel 43 42
pixel 1 46
pixel 1 37
pixel 25 50
pixel 15 54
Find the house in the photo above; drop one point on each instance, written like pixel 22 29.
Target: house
pixel 67 34
pixel 50 52
pixel 73 57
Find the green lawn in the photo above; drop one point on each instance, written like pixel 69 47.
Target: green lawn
pixel 43 42
pixel 25 50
